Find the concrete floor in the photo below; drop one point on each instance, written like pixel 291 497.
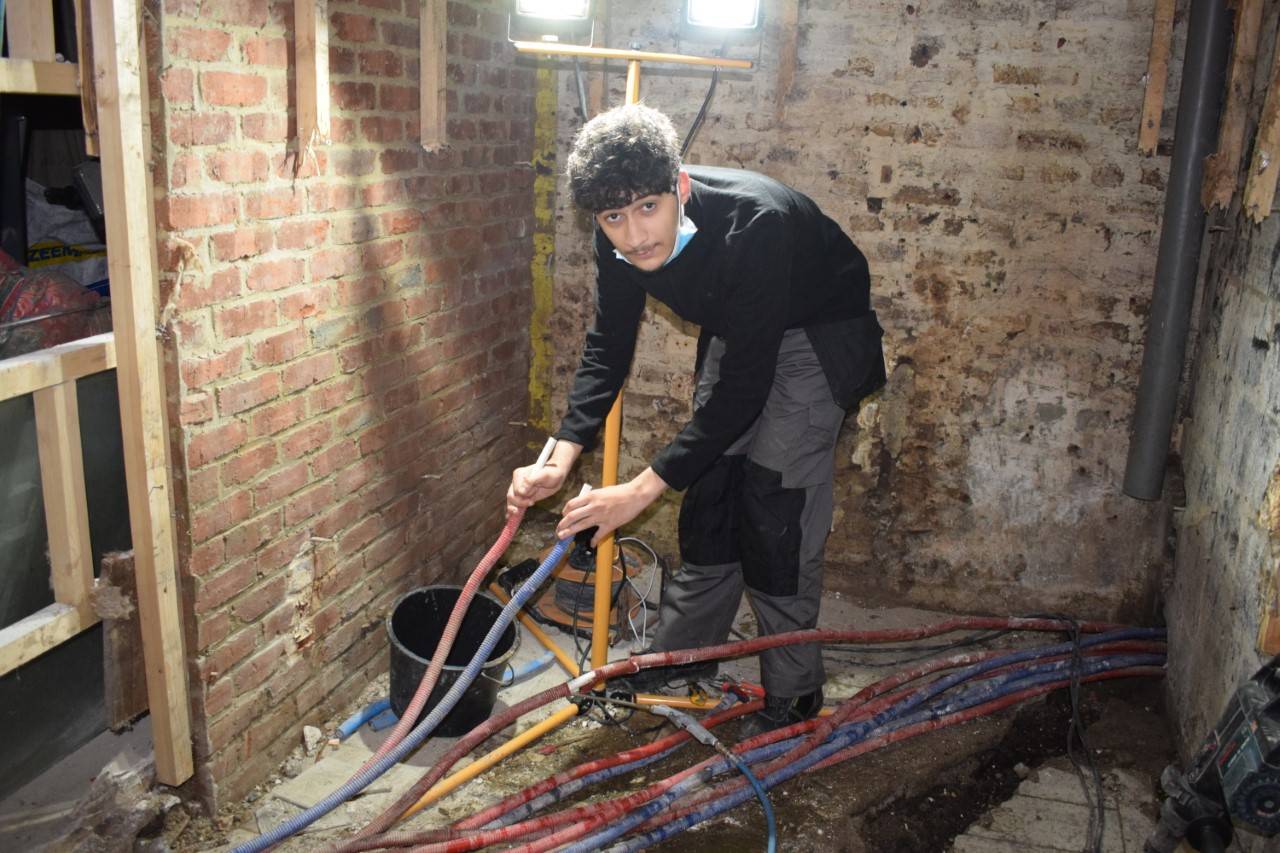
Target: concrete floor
pixel 1047 813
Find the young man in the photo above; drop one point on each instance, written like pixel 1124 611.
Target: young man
pixel 789 343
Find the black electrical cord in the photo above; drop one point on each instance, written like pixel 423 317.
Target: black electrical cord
pixel 852 655
pixel 1075 734
pixel 582 92
pixel 702 113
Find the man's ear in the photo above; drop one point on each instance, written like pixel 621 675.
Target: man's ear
pixel 682 186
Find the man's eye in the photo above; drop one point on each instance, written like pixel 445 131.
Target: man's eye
pixel 612 218
pixel 650 206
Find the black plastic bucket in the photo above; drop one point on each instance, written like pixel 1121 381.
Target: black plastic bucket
pixel 414 629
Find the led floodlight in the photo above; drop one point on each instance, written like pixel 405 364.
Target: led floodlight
pixel 723 14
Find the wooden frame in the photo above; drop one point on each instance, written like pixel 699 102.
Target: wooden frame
pixel 1157 75
pixel 432 34
pixel 311 48
pixel 50 376
pixel 125 142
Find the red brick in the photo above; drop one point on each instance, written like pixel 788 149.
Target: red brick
pixel 401 221
pixel 232 89
pixel 205 558
pixel 266 127
pixel 238 320
pixel 241 243
pixel 221 516
pixel 384 192
pixel 200 128
pixel 309 371
pixel 324 199
pixel 275 275
pixel 333 263
pixel 356 28
pixel 333 458
pixel 381 63
pixel 247 538
pixel 331 395
pixel 202 486
pixel 196 409
pixel 215 443
pixel 307 504
pixel 382 128
pixel 309 303
pixel 402 160
pixel 198 372
pixel 341 60
pixel 353 95
pixel 278 417
pixel 280 484
pixel 356 228
pixel 248 464
pixel 281 553
pixel 400 35
pixel 306 439
pixel 383 254
pixel 241 13
pixel 212 629
pixel 352 163
pixel 285 346
pixel 178 86
pixel 180 212
pixel 273 52
pixel 256 670
pixel 273 204
pixel 238 167
pixel 218 697
pixel 248 393
pixel 302 235
pixel 200 44
pixel 398 99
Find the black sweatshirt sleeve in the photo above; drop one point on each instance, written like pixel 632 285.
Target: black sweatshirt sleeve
pixel 606 357
pixel 760 272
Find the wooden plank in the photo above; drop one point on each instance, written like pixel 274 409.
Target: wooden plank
pixel 29 25
pixel 31 77
pixel 1222 168
pixel 1260 189
pixel 125 674
pixel 88 95
pixel 788 29
pixel 554 49
pixel 26 374
pixel 131 258
pixel 311 48
pixel 66 508
pixel 1157 75
pixel 433 32
pixel 27 639
pixel 1269 518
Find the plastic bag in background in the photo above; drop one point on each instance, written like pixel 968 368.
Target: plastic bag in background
pixel 43 308
pixel 61 238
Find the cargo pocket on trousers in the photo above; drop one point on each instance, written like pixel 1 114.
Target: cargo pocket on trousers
pixel 812 459
pixel 709 514
pixel 770 532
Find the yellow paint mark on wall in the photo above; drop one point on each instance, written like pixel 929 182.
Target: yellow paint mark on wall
pixel 544 244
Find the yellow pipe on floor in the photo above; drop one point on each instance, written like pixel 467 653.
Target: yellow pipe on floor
pixel 540 635
pixel 466 774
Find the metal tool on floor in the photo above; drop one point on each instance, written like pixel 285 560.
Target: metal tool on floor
pixel 1234 776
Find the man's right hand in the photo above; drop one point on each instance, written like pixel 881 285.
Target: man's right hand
pixel 531 484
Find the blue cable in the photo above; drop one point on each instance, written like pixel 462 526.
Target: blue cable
pixel 351 724
pixel 424 728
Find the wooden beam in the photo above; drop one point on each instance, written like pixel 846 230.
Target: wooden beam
pixel 28 373
pixel 311 49
pixel 31 77
pixel 1157 74
pixel 29 25
pixel 1222 168
pixel 131 258
pixel 29 638
pixel 124 672
pixel 433 34
pixel 1260 189
pixel 788 30
pixel 88 94
pixel 553 49
pixel 66 509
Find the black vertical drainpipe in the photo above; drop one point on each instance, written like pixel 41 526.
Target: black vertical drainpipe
pixel 1199 104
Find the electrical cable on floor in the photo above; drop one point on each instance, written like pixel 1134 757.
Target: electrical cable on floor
pixel 1075 733
pixel 849 655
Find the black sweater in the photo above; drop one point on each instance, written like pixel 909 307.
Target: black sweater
pixel 764 260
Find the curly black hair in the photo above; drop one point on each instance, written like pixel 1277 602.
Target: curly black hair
pixel 621 155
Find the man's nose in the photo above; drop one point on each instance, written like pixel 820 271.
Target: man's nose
pixel 635 234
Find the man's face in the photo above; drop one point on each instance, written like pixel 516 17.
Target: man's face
pixel 644 231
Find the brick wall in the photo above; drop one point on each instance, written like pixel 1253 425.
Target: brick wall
pixel 984 158
pixel 1228 535
pixel 346 339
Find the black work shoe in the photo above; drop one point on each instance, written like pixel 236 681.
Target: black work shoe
pixel 779 711
pixel 659 678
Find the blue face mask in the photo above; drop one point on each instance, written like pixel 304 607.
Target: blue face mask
pixel 684 233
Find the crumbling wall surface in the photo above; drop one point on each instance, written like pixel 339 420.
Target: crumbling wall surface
pixel 338 326
pixel 984 157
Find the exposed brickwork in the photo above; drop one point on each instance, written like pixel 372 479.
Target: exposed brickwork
pixel 984 158
pixel 348 365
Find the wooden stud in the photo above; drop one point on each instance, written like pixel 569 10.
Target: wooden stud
pixel 1157 74
pixel 29 24
pixel 28 638
pixel 433 34
pixel 1222 168
pixel 788 34
pixel 552 49
pixel 88 95
pixel 311 47
pixel 131 258
pixel 1260 188
pixel 28 373
pixel 28 77
pixel 66 509
pixel 124 673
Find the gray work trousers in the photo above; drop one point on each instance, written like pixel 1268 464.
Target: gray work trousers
pixel 759 519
